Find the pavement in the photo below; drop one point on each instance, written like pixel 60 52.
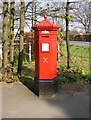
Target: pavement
pixel 20 102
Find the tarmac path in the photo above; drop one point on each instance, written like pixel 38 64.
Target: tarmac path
pixel 19 102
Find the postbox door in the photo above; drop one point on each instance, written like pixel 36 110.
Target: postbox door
pixel 45 67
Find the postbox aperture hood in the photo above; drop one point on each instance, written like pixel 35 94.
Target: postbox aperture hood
pixel 45 25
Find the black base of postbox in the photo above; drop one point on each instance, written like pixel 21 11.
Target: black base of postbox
pixel 45 87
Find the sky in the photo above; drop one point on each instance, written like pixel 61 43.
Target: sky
pixel 46 0
pixel 27 28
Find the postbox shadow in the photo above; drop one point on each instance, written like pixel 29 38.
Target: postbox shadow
pixel 29 83
pixel 27 79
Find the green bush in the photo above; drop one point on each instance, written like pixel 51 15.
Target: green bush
pixel 74 74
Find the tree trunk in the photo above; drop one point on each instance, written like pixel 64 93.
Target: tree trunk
pixel 67 35
pixel 33 23
pixel 11 32
pixel 5 35
pixel 89 36
pixel 20 59
pixel 90 17
pixel 33 12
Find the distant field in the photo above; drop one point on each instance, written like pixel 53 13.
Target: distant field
pixel 79 56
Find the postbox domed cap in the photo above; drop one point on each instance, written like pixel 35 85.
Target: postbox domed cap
pixel 45 25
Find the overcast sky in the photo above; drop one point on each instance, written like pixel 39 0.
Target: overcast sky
pixel 45 0
pixel 71 26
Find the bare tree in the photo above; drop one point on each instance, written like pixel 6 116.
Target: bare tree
pixel 90 17
pixel 20 59
pixel 81 14
pixel 33 12
pixel 12 32
pixel 5 34
pixel 67 35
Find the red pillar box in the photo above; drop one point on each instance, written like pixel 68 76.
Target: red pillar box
pixel 45 35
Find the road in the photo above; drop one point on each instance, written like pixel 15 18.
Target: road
pixel 80 43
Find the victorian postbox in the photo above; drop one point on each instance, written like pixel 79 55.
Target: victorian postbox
pixel 45 49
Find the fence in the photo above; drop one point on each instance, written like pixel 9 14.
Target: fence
pixel 80 37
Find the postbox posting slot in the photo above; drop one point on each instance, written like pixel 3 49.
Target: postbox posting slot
pixel 45 47
pixel 45 36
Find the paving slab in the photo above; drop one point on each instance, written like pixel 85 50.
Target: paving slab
pixel 20 102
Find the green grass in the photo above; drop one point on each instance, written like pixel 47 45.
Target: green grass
pixel 79 71
pixel 28 69
pixel 28 75
pixel 79 56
